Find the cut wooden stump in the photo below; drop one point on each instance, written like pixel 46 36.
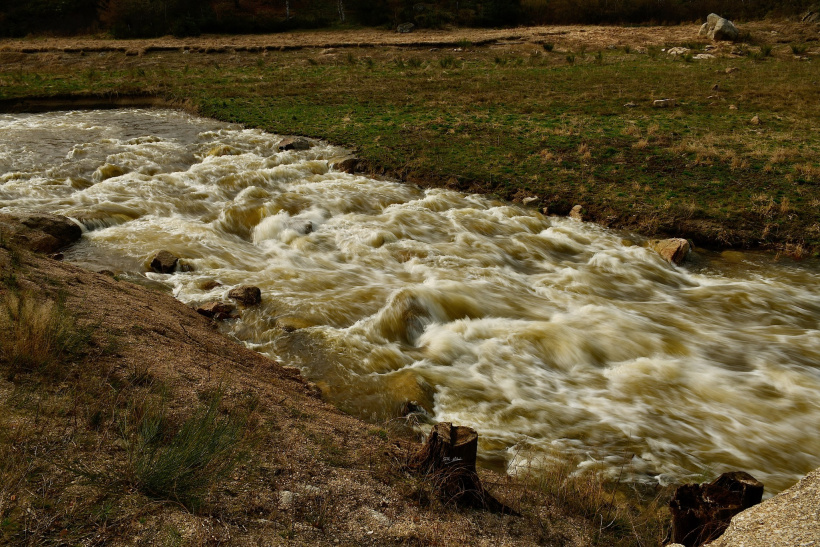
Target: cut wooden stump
pixel 448 458
pixel 702 512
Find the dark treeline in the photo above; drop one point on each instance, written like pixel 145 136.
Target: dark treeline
pixel 137 18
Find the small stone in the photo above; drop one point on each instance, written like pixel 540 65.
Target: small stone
pixel 404 28
pixel 732 107
pixel 527 201
pixel 731 69
pixel 576 213
pixel 216 310
pixel 755 120
pixel 664 103
pixel 247 295
pixel 164 262
pixel 630 105
pixel 716 87
pixel 285 499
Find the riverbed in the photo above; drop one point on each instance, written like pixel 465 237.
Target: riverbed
pixel 557 340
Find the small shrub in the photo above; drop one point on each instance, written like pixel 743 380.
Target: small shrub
pixel 38 335
pixel 799 49
pixel 414 62
pixel 766 50
pixel 571 59
pixel 187 464
pixel 548 46
pixel 464 43
pixel 448 62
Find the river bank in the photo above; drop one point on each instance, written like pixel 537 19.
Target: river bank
pixel 556 116
pixel 93 360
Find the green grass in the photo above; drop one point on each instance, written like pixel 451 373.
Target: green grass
pixel 514 124
pixel 182 466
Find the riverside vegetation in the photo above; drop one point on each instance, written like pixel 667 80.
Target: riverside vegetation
pixel 537 113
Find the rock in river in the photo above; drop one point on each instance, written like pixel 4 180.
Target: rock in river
pixel 672 250
pixel 247 295
pixel 164 262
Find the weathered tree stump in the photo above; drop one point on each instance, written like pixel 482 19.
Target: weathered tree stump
pixel 702 512
pixel 448 458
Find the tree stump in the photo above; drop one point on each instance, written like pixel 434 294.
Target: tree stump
pixel 702 512
pixel 448 458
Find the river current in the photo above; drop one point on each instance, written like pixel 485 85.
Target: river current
pixel 553 338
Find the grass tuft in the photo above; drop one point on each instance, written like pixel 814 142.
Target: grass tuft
pixel 38 334
pixel 185 465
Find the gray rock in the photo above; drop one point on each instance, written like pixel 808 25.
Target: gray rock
pixel 247 295
pixel 788 519
pixel 294 143
pixel 718 28
pixel 164 262
pixel 725 30
pixel 404 28
pixel 577 213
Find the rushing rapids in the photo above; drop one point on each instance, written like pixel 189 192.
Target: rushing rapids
pixel 552 337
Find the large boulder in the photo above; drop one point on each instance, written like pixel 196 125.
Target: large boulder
pixel 701 512
pixel 672 250
pixel 718 28
pixel 790 518
pixel 247 295
pixel 40 232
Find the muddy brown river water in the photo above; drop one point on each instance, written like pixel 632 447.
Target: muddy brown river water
pixel 553 338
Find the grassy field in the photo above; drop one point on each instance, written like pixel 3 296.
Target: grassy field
pixel 543 116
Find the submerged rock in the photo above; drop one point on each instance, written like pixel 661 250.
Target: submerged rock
pixel 164 262
pixel 672 250
pixel 294 143
pixel 701 512
pixel 247 295
pixel 290 323
pixel 346 165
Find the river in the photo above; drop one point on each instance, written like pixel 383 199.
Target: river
pixel 555 339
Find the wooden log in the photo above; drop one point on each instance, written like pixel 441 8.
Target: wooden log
pixel 448 459
pixel 702 512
